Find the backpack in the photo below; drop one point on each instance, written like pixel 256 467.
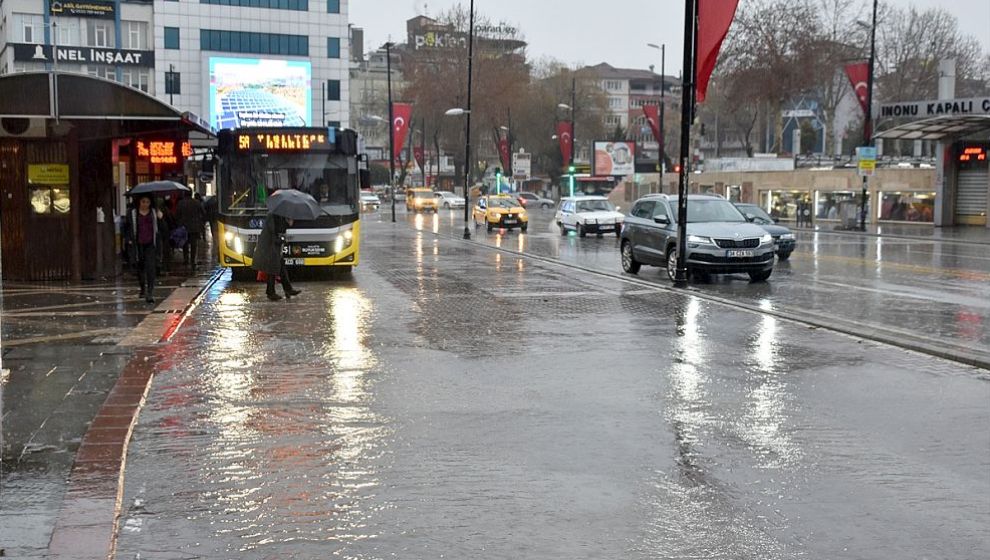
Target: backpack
pixel 179 237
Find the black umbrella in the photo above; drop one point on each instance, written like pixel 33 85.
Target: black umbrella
pixel 297 205
pixel 158 187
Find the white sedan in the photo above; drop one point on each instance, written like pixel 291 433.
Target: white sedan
pixel 447 199
pixel 588 214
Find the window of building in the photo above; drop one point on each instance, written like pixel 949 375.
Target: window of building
pixel 615 102
pixel 253 43
pixel 333 124
pixel 100 34
pixel 333 6
pixel 333 47
pixel 135 35
pixel 68 33
pixel 173 83
pixel 171 37
pixel 32 27
pixel 333 90
pixel 296 5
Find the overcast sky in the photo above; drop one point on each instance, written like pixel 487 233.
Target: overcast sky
pixel 593 31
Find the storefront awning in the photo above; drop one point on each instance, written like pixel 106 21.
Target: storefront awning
pixel 84 97
pixel 938 128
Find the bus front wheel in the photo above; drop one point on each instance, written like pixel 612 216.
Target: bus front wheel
pixel 242 274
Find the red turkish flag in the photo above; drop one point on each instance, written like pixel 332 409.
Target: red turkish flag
pixel 419 155
pixel 401 115
pixel 652 113
pixel 565 135
pixel 714 19
pixel 859 76
pixel 503 151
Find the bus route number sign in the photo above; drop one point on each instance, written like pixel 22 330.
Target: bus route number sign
pixel 283 142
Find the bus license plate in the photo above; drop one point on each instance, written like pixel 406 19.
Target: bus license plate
pixel 738 253
pixel 291 262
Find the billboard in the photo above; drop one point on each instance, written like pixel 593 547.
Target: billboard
pixel 260 92
pixel 614 158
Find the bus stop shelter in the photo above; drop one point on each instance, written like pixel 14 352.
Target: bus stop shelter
pixel 61 137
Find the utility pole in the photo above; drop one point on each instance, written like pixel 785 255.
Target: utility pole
pixel 422 150
pixel 868 121
pixel 467 135
pixel 663 88
pixel 391 127
pixel 687 111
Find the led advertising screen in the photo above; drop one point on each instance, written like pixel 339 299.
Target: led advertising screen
pixel 260 92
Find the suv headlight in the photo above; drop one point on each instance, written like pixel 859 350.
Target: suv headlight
pixel 767 238
pixel 700 239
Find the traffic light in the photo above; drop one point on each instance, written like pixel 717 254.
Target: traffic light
pixel 571 169
pixel 498 180
pixel 677 168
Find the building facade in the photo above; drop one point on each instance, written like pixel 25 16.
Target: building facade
pixel 233 62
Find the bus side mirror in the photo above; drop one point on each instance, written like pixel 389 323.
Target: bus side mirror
pixel 365 178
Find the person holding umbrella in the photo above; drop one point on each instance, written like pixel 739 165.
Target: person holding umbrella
pixel 284 207
pixel 143 238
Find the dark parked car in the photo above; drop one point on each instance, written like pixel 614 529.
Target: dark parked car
pixel 782 236
pixel 719 239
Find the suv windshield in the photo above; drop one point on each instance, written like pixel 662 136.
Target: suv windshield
pixel 707 210
pixel 594 206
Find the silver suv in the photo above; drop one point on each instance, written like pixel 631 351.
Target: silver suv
pixel 720 240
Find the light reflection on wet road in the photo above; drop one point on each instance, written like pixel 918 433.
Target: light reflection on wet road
pixel 936 290
pixel 453 401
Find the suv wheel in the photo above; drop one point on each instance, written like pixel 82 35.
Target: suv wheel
pixel 760 276
pixel 629 263
pixel 671 264
pixel 446 205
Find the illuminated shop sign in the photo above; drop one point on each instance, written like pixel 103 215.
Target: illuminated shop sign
pixel 92 8
pixel 165 152
pixel 973 153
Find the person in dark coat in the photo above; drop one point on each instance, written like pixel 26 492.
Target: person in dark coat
pixel 211 209
pixel 268 256
pixel 189 214
pixel 143 238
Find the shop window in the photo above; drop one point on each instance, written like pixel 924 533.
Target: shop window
pixel 50 201
pixel 907 206
pixel 827 203
pixel 783 205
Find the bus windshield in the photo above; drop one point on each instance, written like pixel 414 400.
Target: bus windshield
pixel 330 178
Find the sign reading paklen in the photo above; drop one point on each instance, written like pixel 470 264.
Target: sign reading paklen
pixel 92 8
pixel 48 174
pixel 937 108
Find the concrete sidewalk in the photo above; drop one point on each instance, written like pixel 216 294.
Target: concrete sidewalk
pixel 65 346
pixel 969 235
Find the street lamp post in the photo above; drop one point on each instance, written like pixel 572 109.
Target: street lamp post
pixel 663 88
pixel 868 120
pixel 391 127
pixel 687 112
pixel 467 136
pixel 573 109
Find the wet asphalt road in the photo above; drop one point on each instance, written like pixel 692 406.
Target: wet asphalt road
pixel 934 290
pixel 453 401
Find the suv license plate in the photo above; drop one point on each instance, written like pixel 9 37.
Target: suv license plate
pixel 739 253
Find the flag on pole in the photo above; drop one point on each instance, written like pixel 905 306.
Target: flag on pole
pixel 652 113
pixel 565 135
pixel 503 152
pixel 859 75
pixel 714 19
pixel 401 115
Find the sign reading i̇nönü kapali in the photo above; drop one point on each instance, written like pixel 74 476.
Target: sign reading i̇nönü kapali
pixel 936 108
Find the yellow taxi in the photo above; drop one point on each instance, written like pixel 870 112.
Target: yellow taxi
pixel 421 200
pixel 500 212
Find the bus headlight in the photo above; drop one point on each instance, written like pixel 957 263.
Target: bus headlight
pixel 348 235
pixel 238 246
pixel 228 236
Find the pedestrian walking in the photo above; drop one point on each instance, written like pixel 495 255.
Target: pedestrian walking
pixel 268 256
pixel 189 214
pixel 211 209
pixel 143 239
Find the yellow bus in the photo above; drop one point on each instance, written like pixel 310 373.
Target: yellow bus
pixel 255 162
